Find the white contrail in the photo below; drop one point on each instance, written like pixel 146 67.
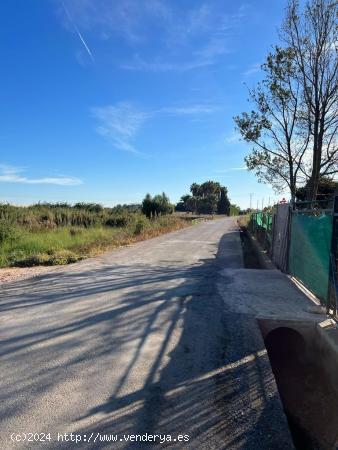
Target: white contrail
pixel 78 32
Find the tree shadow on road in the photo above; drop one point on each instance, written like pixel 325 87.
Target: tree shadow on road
pixel 203 371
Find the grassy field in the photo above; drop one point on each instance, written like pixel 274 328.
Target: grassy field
pixel 31 237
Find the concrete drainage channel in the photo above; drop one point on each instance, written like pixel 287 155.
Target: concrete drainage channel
pixel 305 366
pixel 253 257
pixel 304 361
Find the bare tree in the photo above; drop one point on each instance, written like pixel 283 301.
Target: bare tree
pixel 313 40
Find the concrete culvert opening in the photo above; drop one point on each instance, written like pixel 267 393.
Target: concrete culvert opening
pixel 285 347
pixel 309 399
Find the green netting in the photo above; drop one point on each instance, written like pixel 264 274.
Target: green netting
pixel 309 257
pixel 262 222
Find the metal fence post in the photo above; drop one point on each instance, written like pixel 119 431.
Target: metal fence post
pixel 333 285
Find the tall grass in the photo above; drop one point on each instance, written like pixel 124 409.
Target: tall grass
pixel 42 216
pixel 59 234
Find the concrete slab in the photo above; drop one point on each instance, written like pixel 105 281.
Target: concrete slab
pixel 266 294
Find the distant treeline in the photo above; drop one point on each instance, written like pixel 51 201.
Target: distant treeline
pixel 207 198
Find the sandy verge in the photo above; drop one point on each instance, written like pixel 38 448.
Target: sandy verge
pixel 22 273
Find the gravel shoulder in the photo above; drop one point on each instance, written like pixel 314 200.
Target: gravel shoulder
pixel 22 273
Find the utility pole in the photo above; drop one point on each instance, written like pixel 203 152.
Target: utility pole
pixel 251 195
pixel 262 204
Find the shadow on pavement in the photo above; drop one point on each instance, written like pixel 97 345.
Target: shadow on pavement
pixel 206 373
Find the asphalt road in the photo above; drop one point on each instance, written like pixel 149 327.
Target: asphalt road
pixel 138 341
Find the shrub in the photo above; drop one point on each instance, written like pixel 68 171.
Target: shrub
pixel 31 260
pixel 8 232
pixel 75 231
pixel 141 224
pixel 92 207
pixel 117 221
pixel 62 257
pixel 52 258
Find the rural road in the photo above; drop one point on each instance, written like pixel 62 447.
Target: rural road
pixel 138 341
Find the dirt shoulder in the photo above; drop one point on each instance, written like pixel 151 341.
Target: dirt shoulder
pixel 21 273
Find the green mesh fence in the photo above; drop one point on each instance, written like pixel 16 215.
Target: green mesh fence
pixel 261 227
pixel 309 257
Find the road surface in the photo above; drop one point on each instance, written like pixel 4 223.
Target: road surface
pixel 138 342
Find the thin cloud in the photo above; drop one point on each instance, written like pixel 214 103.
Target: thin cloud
pixel 77 31
pixel 231 169
pixel 215 47
pixel 10 174
pixel 233 138
pixel 189 110
pixel 123 18
pixel 121 123
pixel 252 70
pixel 189 37
pixel 140 65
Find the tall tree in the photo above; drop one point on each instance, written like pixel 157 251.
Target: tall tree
pixel 195 189
pixel 223 205
pixel 147 205
pixel 207 198
pixel 312 37
pixel 294 124
pixel 156 206
pixel 326 188
pixel 273 125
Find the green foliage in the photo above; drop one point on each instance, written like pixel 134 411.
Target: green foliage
pixel 187 204
pixel 205 189
pixel 8 232
pixel 223 205
pixel 47 215
pixel 234 210
pixel 66 243
pixel 181 207
pixel 53 258
pixel 207 198
pixel 326 189
pixel 274 125
pixel 159 205
pixel 293 122
pixel 131 208
pixel 141 225
pixel 162 205
pixel 92 207
pixel 45 234
pixel 118 221
pixel 44 205
pixel 147 206
pixel 207 204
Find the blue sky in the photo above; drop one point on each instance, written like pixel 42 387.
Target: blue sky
pixel 106 100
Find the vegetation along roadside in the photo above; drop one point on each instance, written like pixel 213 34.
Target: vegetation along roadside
pixel 58 233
